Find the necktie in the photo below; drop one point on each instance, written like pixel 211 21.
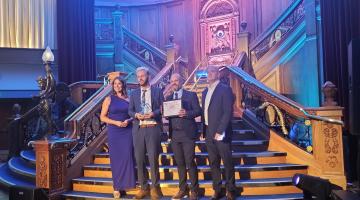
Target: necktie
pixel 143 98
pixel 176 95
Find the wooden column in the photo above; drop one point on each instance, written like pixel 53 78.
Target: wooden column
pixel 118 39
pixel 51 165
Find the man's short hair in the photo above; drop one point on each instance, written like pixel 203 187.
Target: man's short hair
pixel 142 68
pixel 179 76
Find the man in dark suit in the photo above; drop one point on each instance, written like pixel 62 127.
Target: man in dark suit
pixel 217 104
pixel 183 132
pixel 144 107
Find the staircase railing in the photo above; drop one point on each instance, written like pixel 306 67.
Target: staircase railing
pixel 192 74
pixel 144 50
pixel 82 90
pixel 30 126
pixel 278 31
pixel 311 136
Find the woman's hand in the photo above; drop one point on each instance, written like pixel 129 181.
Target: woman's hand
pixel 125 123
pixel 119 123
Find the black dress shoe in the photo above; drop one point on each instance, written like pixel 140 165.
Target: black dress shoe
pixel 230 196
pixel 181 194
pixel 122 193
pixel 194 195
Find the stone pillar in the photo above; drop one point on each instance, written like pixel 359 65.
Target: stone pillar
pixel 118 39
pixel 51 165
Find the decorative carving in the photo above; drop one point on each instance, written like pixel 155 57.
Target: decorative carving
pixel 57 171
pixel 243 26
pixel 329 90
pixel 144 51
pixel 279 116
pixel 331 144
pixel 268 42
pixel 104 32
pixel 219 33
pixel 89 128
pixel 332 161
pixel 41 174
pixel 220 38
pixel 220 60
pixel 218 9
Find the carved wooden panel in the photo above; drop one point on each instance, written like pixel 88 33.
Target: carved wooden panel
pixel 219 26
pixel 272 80
pixel 176 25
pixel 148 24
pixel 50 166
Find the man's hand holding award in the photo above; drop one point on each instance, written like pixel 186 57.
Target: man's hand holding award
pixel 173 108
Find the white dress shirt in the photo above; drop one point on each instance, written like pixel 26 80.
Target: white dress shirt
pixel 209 94
pixel 179 93
pixel 148 105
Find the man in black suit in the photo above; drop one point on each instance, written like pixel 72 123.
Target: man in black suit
pixel 183 132
pixel 217 104
pixel 144 107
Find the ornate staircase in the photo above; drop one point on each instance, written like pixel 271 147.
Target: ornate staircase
pixel 260 173
pixel 264 154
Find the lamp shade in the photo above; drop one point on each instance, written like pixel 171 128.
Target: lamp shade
pixel 48 56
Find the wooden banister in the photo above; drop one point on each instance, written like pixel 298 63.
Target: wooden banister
pixel 324 153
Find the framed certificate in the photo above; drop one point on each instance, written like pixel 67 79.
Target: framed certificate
pixel 171 108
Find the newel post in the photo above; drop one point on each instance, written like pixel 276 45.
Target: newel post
pixel 171 53
pixel 51 165
pixel 243 39
pixel 118 38
pixel 327 139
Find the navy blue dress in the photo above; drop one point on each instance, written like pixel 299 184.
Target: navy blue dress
pixel 121 146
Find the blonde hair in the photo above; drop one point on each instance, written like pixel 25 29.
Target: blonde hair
pixel 142 68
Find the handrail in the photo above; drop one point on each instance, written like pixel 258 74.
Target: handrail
pixel 275 24
pixel 84 82
pixel 85 104
pixel 152 66
pixel 237 61
pixel 195 69
pixel 145 43
pixel 163 71
pixel 260 86
pixel 159 52
pixel 195 83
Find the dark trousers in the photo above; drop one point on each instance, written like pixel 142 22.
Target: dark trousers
pixel 220 150
pixel 147 140
pixel 184 154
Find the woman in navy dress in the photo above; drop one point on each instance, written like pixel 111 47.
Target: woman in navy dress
pixel 114 112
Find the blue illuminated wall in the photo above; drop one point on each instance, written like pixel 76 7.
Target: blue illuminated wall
pixel 19 69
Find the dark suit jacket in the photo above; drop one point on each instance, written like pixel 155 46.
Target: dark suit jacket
pixel 220 112
pixel 190 103
pixel 157 99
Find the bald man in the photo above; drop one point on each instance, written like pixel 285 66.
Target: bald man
pixel 183 132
